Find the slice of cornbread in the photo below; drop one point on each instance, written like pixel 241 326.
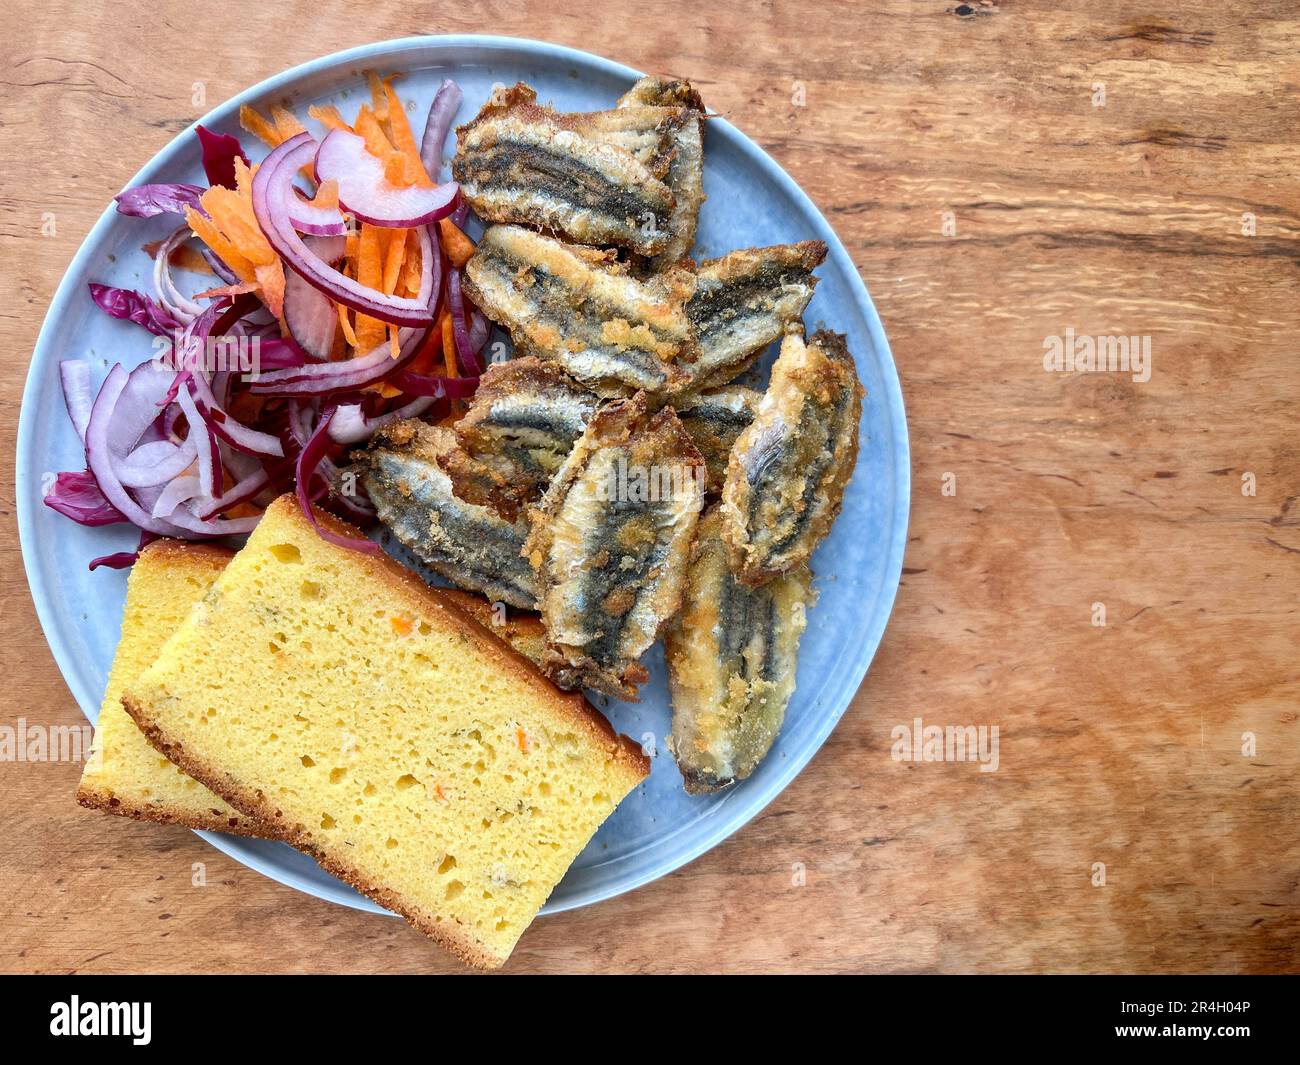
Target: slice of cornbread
pixel 124 774
pixel 382 730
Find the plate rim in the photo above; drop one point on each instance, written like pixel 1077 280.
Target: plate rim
pixel 893 405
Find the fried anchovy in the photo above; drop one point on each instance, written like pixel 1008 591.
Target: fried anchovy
pixel 744 301
pixel 787 472
pixel 686 170
pixel 715 419
pixel 610 542
pixel 519 428
pixel 469 545
pixel 731 663
pixel 595 178
pixel 573 307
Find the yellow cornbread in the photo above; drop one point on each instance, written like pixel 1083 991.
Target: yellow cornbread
pixel 379 728
pixel 124 774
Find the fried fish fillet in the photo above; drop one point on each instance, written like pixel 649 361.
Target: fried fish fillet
pixel 745 300
pixel 520 426
pixel 715 419
pixel 574 307
pixel 787 472
pixel 469 545
pixel 609 542
pixel 685 175
pixel 596 178
pixel 731 663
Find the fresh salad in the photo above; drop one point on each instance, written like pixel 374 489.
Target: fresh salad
pixel 335 309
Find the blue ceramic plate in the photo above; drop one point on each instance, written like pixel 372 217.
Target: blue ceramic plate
pixel 751 201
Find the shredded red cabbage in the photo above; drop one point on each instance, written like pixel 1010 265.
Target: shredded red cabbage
pixel 146 201
pixel 132 306
pixel 78 496
pixel 220 150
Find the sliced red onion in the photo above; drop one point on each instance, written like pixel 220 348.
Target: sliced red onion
pixel 308 312
pixel 155 463
pixel 74 376
pixel 479 330
pixel 317 221
pixel 207 453
pixel 414 384
pixel 178 305
pixel 271 188
pixel 100 450
pixel 277 353
pixel 148 389
pixel 301 417
pixel 369 195
pixel 356 507
pixel 351 425
pixel 218 267
pixel 308 461
pixel 460 328
pixel 446 102
pixel 233 432
pixel 241 492
pixel 179 490
pixel 324 378
pixel 460 215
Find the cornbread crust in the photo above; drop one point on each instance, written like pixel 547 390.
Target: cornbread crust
pixel 93 796
pixel 522 631
pixel 407 589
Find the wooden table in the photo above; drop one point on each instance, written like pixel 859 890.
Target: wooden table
pixel 1001 174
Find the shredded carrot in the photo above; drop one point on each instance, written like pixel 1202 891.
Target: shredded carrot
pixel 442 795
pixel 401 168
pixel 404 140
pixel 522 737
pixel 345 324
pixel 423 363
pixel 459 247
pixel 327 196
pixel 205 229
pixel 394 256
pixel 378 98
pixel 370 272
pixel 412 266
pixel 227 290
pixel 449 344
pixel 270 278
pixel 264 130
pixel 230 229
pixel 369 130
pixel 402 625
pixel 286 123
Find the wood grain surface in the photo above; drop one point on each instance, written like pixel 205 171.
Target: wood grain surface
pixel 991 198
